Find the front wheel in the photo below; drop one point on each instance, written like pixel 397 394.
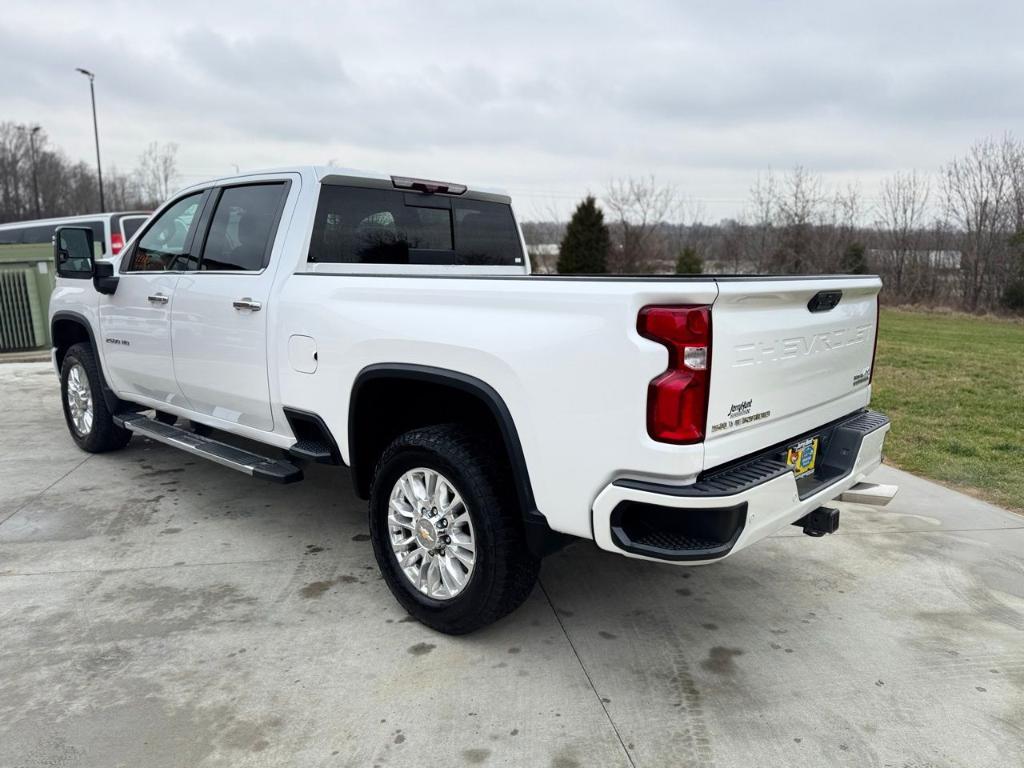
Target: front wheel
pixel 89 420
pixel 446 531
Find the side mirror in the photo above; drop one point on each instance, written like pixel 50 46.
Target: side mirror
pixel 73 252
pixel 103 278
pixel 74 257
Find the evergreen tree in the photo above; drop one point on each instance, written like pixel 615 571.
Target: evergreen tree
pixel 1013 293
pixel 854 261
pixel 585 246
pixel 689 262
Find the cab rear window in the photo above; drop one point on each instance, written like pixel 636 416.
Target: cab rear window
pixel 355 225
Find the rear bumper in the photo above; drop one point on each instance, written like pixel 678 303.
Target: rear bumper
pixel 733 507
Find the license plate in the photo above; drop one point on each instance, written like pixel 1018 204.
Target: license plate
pixel 801 457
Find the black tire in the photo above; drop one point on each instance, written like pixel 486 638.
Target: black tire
pixel 504 572
pixel 104 435
pixel 200 429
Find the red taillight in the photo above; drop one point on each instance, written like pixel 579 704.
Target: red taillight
pixel 677 400
pixel 116 242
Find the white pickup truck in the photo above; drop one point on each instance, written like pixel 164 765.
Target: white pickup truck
pixel 391 325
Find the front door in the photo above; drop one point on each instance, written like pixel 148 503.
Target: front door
pixel 219 324
pixel 135 321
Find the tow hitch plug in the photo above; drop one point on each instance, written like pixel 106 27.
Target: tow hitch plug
pixel 819 522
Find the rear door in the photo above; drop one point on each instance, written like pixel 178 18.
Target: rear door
pixel 219 326
pixel 135 320
pixel 788 355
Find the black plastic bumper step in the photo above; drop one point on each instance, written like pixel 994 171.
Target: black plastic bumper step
pixel 276 470
pixel 314 450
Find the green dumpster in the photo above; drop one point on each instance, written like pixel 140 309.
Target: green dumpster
pixel 26 282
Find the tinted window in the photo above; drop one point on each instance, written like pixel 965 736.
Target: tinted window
pixel 243 227
pixel 44 233
pixel 36 242
pixel 130 225
pixel 162 246
pixel 382 226
pixel 485 233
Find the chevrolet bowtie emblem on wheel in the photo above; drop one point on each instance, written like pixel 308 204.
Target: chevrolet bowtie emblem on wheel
pixel 425 535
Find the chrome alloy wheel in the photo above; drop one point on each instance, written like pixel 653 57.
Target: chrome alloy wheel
pixel 79 398
pixel 431 533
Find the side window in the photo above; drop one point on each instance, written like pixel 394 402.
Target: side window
pixel 486 233
pixel 37 241
pixel 162 246
pixel 130 225
pixel 242 230
pixel 380 226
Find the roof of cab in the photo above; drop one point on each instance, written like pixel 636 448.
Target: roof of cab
pixel 319 172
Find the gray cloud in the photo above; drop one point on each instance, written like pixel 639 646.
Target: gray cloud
pixel 548 98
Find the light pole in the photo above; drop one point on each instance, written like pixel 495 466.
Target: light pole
pixel 35 173
pixel 96 132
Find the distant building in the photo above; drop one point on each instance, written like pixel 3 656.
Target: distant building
pixel 934 259
pixel 544 258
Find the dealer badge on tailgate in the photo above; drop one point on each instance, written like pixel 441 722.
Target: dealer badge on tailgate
pixel 801 456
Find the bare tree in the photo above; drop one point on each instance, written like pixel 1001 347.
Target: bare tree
pixel 798 210
pixel 977 196
pixel 1012 152
pixel 763 243
pixel 902 212
pixel 638 208
pixel 158 171
pixel 122 190
pixel 12 153
pixel 838 234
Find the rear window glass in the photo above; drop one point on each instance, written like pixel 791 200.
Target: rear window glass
pixel 355 225
pixel 129 226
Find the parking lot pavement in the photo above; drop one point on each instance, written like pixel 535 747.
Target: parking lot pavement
pixel 156 610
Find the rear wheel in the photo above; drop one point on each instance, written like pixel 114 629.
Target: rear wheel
pixel 446 531
pixel 89 421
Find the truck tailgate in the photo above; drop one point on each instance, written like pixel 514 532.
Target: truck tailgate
pixel 784 360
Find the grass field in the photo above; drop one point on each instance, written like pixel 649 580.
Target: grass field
pixel 954 388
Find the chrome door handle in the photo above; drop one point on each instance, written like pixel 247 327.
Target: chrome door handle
pixel 247 303
pixel 158 298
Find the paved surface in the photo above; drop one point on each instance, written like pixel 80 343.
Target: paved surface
pixel 31 356
pixel 161 611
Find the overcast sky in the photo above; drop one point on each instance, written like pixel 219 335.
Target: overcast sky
pixel 546 99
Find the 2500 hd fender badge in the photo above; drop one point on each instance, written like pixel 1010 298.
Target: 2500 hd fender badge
pixel 119 342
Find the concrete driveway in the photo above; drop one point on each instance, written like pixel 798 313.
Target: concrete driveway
pixel 156 610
